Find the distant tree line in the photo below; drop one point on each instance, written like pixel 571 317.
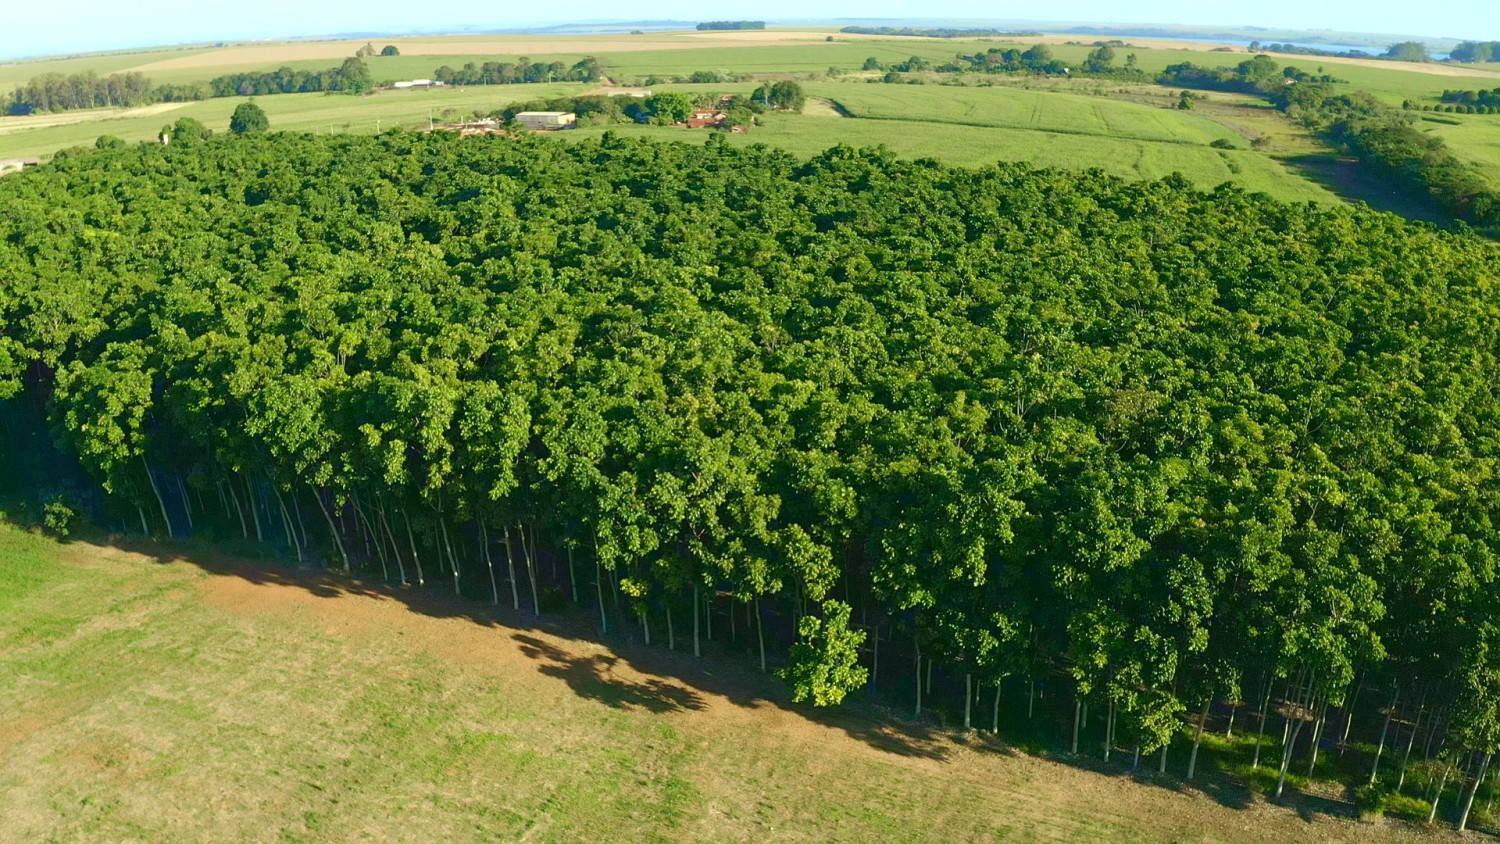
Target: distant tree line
pixel 936 32
pixel 353 77
pixel 1476 51
pixel 1379 135
pixel 56 92
pixel 1035 61
pixel 708 25
pixel 523 71
pixel 1299 50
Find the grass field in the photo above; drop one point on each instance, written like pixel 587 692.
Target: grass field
pixel 1128 131
pixel 1475 138
pixel 148 697
pixel 291 112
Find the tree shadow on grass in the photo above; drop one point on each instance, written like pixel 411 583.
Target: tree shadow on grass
pixel 673 681
pixel 1355 181
pixel 620 671
pixel 591 677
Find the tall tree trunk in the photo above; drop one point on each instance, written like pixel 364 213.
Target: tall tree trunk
pixel 1261 732
pixel 255 511
pixel 1384 729
pixel 411 538
pixel 760 632
pixel 1411 740
pixel 159 500
pixel 1484 766
pixel 244 526
pixel 666 605
pixel 599 588
pixel 1229 730
pixel 1077 707
pixel 145 530
pixel 223 499
pixel 918 675
pixel 332 529
pixel 646 623
pixel 385 571
pixel 536 601
pixel 1198 738
pixel 1320 717
pixel 187 506
pixel 1349 713
pixel 572 578
pixel 1162 768
pixel 489 562
pixel 1109 729
pixel 297 511
pixel 510 567
pixel 968 699
pixel 995 711
pixel 291 535
pixel 1031 699
pixel 696 651
pixel 1432 813
pixel 448 546
pixel 395 547
pixel 875 663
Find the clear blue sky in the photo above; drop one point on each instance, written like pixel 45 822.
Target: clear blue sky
pixel 31 27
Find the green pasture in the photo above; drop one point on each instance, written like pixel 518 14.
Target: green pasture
pixel 295 112
pixel 806 135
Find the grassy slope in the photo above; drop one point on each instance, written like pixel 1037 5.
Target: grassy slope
pixel 149 699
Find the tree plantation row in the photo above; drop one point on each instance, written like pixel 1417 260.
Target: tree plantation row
pixel 1173 447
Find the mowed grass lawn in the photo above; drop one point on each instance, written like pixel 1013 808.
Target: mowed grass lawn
pixel 149 698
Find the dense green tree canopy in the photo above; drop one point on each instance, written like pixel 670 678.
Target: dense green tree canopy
pixel 1149 439
pixel 248 117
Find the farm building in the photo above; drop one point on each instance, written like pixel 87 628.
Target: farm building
pixel 547 119
pixel 417 83
pixel 706 119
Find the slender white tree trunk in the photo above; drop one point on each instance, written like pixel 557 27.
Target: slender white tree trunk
pixel 1384 729
pixel 995 712
pixel 291 535
pixel 411 538
pixel 1411 740
pixel 162 502
pixel 696 651
pixel 1077 707
pixel 489 562
pixel 572 578
pixel 671 633
pixel 968 699
pixel 1432 813
pixel 1198 737
pixel 187 506
pixel 760 633
pixel 1260 733
pixel 510 567
pixel 448 546
pixel 536 602
pixel 919 681
pixel 244 526
pixel 1484 766
pixel 332 529
pixel 255 511
pixel 395 546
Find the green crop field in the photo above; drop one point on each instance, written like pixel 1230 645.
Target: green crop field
pixel 296 707
pixel 1475 138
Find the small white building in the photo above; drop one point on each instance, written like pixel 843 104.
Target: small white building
pixel 15 165
pixel 547 119
pixel 417 83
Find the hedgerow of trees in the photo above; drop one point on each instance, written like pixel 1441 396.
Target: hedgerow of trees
pixel 712 25
pixel 1151 447
pixel 508 73
pixel 1378 134
pixel 353 76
